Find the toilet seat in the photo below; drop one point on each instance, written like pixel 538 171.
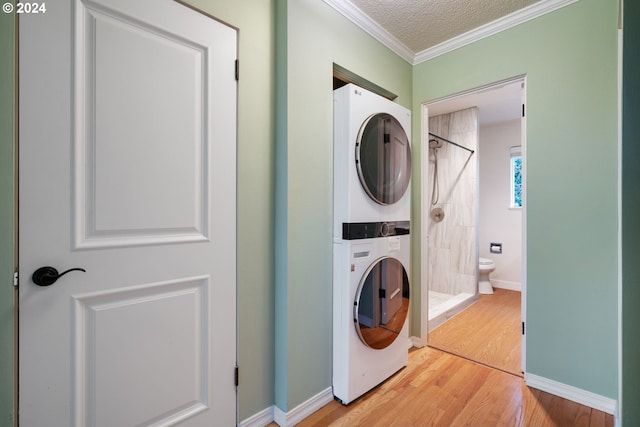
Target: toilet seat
pixel 486 263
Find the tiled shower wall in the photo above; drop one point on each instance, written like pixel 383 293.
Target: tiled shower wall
pixel 452 242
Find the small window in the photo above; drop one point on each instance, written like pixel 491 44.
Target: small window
pixel 516 177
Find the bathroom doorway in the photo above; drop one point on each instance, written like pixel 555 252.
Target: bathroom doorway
pixel 471 214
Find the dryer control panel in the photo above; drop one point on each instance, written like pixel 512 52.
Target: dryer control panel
pixel 371 230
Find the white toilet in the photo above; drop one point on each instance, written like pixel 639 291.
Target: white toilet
pixel 485 267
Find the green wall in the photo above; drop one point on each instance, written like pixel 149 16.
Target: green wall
pixel 630 409
pixel 7 117
pixel 316 37
pixel 255 21
pixel 570 60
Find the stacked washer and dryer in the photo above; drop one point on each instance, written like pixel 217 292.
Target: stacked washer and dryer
pixel 372 171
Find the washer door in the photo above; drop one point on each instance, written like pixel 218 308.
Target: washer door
pixel 382 303
pixel 383 158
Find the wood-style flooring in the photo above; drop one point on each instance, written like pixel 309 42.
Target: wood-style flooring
pixel 440 389
pixel 489 332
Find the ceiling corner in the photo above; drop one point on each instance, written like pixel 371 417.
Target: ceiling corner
pixel 355 15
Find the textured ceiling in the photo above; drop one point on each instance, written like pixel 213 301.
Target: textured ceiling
pixel 422 24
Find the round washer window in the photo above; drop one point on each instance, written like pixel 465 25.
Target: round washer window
pixel 383 158
pixel 382 303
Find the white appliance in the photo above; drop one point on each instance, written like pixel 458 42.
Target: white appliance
pixel 372 158
pixel 370 306
pixel 372 171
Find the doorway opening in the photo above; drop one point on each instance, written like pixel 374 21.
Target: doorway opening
pixel 474 245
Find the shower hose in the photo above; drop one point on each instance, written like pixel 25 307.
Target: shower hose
pixel 435 192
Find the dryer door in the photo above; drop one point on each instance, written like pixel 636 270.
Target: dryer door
pixel 382 303
pixel 383 158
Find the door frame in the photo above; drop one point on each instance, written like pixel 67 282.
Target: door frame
pixel 424 211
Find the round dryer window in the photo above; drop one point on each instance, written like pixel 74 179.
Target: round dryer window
pixel 382 303
pixel 383 158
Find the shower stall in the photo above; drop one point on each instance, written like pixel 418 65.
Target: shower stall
pixel 452 262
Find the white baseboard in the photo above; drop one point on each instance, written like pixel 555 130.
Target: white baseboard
pixel 417 342
pixel 300 412
pixel 260 419
pixel 297 414
pixel 583 397
pixel 505 284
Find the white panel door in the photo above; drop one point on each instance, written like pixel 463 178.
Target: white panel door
pixel 127 170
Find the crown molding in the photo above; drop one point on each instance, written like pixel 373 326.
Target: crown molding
pixel 509 21
pixel 355 15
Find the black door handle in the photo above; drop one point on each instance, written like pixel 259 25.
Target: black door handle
pixel 45 276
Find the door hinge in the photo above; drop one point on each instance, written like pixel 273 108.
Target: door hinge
pixel 522 110
pixel 522 328
pixel 237 70
pixel 15 279
pixel 237 376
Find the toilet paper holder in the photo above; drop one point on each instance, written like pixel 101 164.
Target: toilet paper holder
pixel 495 248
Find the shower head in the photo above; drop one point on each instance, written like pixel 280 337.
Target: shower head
pixel 435 143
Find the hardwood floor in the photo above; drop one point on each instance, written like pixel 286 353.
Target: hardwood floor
pixel 489 332
pixel 441 390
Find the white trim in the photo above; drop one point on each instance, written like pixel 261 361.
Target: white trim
pixel 368 25
pixel 302 411
pixel 355 15
pixel 505 284
pixel 583 397
pixel 260 419
pixel 418 342
pixel 523 275
pixel 509 21
pixel 480 89
pixel 424 223
pixel 617 420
